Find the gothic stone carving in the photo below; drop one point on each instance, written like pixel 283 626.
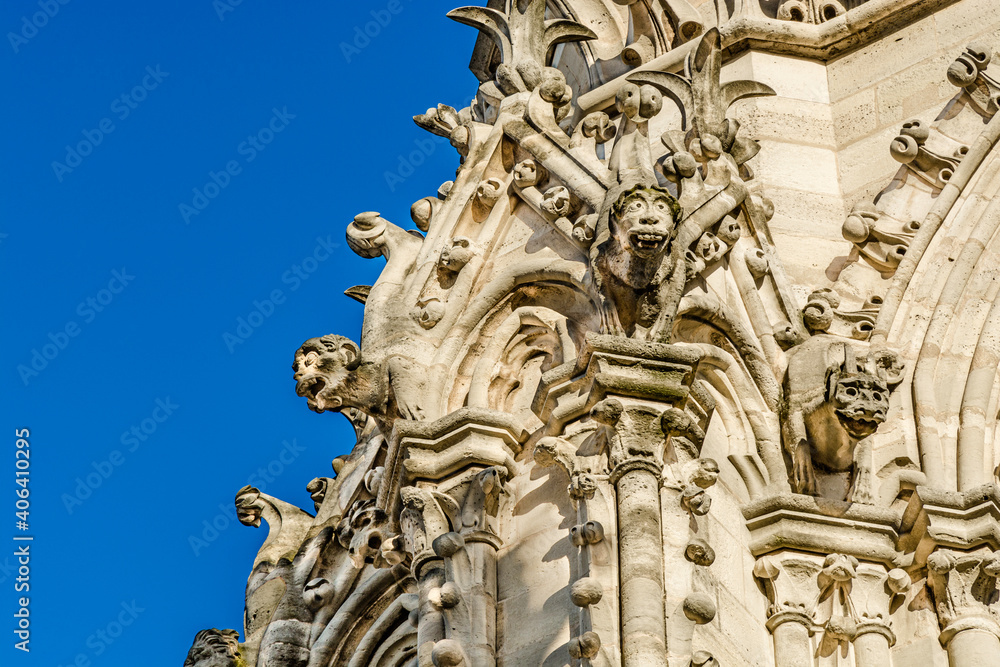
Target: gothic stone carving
pixel 835 398
pixel 331 374
pixel 215 648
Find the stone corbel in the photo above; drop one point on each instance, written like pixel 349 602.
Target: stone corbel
pixel 948 519
pixel 822 315
pixel 437 450
pixel 969 73
pixel 910 149
pixel 882 249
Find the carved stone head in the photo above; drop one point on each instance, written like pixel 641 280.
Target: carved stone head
pixel 839 568
pixel 248 509
pixel 215 648
pixel 861 402
pixel 364 535
pixel 643 221
pixel 323 369
pixel 456 255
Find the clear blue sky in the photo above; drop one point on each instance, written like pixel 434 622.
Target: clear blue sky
pixel 127 298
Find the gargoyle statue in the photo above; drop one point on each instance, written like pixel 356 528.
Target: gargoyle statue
pixel 835 401
pixel 215 648
pixel 332 375
pixel 635 259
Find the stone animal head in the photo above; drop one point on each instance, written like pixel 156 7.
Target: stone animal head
pixel 362 532
pixel 643 221
pixel 215 648
pixel 323 366
pixel 839 568
pixel 860 401
pixel 249 509
pixel 456 255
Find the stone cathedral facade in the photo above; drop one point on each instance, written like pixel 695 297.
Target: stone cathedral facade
pixel 695 361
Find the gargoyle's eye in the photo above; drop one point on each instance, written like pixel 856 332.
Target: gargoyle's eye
pixel 635 206
pixel 660 205
pixel 877 396
pixel 851 391
pixel 310 359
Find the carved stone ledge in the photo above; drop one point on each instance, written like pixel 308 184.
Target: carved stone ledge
pixel 954 520
pixel 434 450
pixel 622 367
pixel 804 523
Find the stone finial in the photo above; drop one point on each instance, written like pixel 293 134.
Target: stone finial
pixel 524 38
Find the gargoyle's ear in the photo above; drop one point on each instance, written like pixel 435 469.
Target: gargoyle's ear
pixel 352 354
pixel 854 561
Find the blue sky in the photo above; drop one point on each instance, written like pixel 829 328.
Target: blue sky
pixel 177 181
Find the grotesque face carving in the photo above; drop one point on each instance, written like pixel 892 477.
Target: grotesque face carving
pixel 457 255
pixel 322 367
pixel 861 402
pixel 643 222
pixel 369 531
pixel 528 173
pixel 214 648
pixel 839 568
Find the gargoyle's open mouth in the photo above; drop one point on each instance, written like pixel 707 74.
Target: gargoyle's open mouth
pixel 859 426
pixel 647 241
pixel 310 388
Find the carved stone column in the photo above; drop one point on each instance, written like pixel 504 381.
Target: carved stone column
pixel 640 550
pixel 450 485
pixel 965 596
pixel 788 581
pixel 821 605
pixel 641 395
